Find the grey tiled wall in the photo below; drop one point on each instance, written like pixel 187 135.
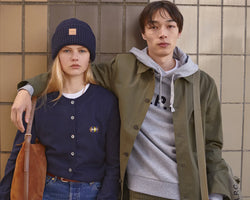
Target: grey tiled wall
pixel 216 35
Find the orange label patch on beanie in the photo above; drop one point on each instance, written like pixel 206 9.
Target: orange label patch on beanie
pixel 72 31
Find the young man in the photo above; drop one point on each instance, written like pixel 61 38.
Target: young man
pixel 158 155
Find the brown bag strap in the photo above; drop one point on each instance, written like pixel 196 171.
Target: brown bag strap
pixel 29 125
pixel 199 136
pixel 27 149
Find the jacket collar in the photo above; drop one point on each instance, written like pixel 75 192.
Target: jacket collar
pixel 142 68
pixel 189 78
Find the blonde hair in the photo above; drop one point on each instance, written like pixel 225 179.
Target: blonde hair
pixel 56 81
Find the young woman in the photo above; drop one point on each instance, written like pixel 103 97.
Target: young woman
pixel 77 121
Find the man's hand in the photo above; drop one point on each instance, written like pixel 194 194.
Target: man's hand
pixel 21 103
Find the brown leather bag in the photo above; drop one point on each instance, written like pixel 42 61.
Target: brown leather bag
pixel 30 171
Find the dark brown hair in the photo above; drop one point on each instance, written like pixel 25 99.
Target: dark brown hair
pixel 148 12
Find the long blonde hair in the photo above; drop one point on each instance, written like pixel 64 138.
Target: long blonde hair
pixel 56 81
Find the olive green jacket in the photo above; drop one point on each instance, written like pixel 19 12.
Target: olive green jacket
pixel 133 83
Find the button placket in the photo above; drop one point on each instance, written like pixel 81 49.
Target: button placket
pixel 72 135
pixel 72 117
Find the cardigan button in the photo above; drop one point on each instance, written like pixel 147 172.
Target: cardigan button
pixel 72 102
pixel 72 117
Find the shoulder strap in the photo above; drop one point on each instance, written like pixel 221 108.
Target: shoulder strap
pixel 27 150
pixel 199 136
pixel 29 125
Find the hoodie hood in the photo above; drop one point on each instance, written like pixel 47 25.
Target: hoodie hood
pixel 185 67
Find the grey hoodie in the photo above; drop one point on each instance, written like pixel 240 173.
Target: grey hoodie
pixel 152 167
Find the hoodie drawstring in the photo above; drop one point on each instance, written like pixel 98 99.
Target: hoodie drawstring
pixel 172 95
pixel 161 104
pixel 171 92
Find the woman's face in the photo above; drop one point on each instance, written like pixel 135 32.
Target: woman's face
pixel 74 60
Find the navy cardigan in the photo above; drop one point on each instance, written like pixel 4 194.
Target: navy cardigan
pixel 81 137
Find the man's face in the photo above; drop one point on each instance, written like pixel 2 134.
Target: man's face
pixel 161 35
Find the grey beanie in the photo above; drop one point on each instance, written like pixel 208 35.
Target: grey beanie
pixel 73 31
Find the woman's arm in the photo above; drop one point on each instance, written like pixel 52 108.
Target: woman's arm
pixel 111 182
pixel 5 184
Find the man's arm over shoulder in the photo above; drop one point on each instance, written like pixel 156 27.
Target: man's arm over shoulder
pixel 106 74
pixel 102 74
pixel 22 102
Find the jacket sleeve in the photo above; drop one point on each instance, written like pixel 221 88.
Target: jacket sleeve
pixel 5 184
pixel 38 83
pixel 103 73
pixel 111 182
pixel 217 172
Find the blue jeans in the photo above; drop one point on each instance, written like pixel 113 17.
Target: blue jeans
pixel 55 189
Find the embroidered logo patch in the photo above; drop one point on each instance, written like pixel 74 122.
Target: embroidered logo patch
pixel 72 31
pixel 93 129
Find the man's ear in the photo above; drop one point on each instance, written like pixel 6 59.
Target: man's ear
pixel 179 35
pixel 143 36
